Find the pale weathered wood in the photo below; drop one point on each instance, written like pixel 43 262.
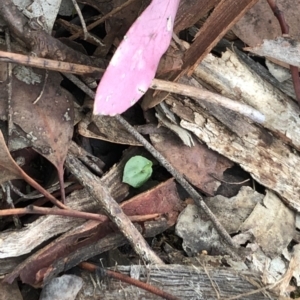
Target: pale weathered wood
pixel 185 282
pixel 286 86
pixel 284 49
pixel 233 79
pixel 266 158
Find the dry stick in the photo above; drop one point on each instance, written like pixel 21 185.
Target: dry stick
pixel 195 92
pixel 10 123
pixel 108 273
pixel 50 64
pixel 31 209
pixel 167 86
pixel 101 20
pixel 84 29
pixel 285 30
pixel 100 193
pixel 184 183
pixel 192 192
pixel 6 189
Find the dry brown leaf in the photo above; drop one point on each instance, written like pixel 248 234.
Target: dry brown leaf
pixel 11 170
pixel 8 168
pixel 197 163
pixel 47 125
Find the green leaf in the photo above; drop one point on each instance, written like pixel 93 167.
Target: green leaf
pixel 137 171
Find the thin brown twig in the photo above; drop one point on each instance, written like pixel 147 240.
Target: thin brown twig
pixel 285 30
pixel 31 209
pixel 84 29
pixel 162 85
pixel 10 123
pixel 111 274
pixel 227 182
pixel 101 20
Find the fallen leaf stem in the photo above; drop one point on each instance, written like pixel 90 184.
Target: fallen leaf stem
pixel 31 209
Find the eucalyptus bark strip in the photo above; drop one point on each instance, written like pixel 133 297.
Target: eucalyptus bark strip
pixel 265 157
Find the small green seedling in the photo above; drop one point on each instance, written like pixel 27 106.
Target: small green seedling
pixel 137 171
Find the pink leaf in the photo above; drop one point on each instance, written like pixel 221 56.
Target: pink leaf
pixel 133 66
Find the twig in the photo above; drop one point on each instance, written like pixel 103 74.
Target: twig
pixel 43 88
pixel 280 16
pixel 31 209
pixel 101 194
pixel 184 183
pixel 50 64
pixel 84 29
pixel 162 85
pixel 142 285
pixel 192 192
pixel 10 123
pixel 227 182
pixel 101 20
pixel 83 155
pixel 195 92
pixel 285 30
pixel 91 38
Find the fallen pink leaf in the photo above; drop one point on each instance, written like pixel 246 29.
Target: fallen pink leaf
pixel 134 64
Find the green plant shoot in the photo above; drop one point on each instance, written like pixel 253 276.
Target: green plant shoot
pixel 137 171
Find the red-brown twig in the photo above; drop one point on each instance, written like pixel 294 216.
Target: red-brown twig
pixel 111 274
pixel 285 30
pixel 68 213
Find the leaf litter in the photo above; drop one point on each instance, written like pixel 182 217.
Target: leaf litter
pixel 261 224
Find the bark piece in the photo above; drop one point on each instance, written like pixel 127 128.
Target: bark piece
pixel 197 231
pixel 284 49
pixel 234 79
pixel 15 243
pixel 72 247
pixel 107 129
pixel 265 157
pixel 224 16
pixel 184 282
pixel 10 291
pixel 190 11
pixel 65 287
pixel 272 224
